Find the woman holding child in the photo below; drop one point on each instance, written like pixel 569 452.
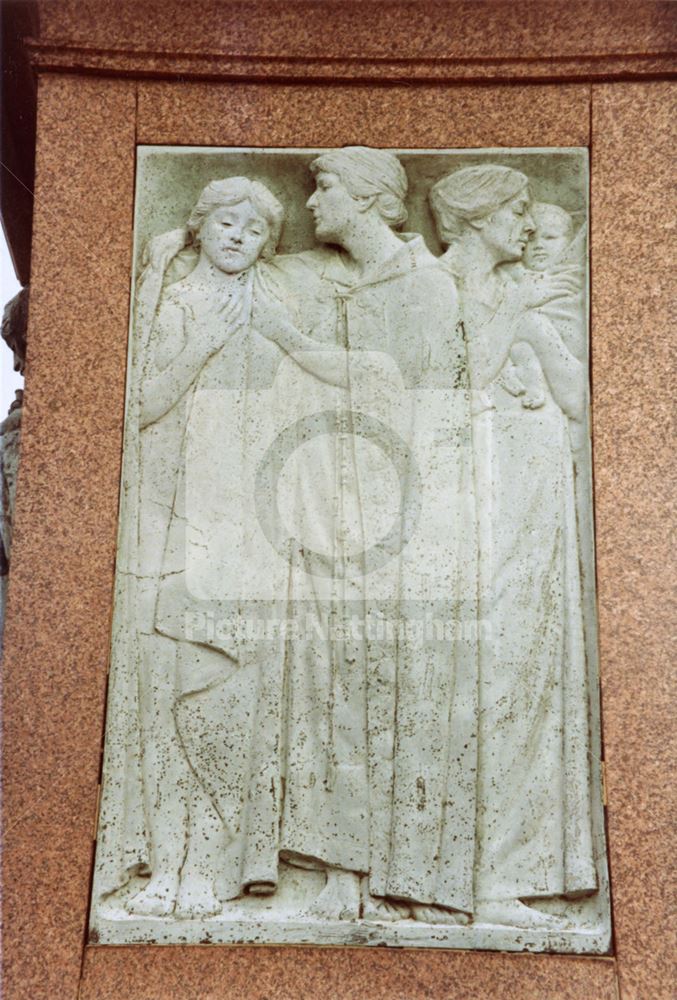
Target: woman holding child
pixel 534 813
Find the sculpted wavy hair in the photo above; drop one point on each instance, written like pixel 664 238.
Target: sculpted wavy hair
pixel 233 191
pixel 367 173
pixel 472 193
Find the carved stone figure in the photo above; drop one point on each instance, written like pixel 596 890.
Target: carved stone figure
pixel 349 695
pixel 552 249
pixel 10 437
pixel 383 786
pixel 14 323
pixel 534 809
pixel 195 333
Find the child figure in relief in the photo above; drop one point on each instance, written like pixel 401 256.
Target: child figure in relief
pixel 550 248
pixel 195 334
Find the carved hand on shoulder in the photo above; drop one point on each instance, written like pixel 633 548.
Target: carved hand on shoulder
pixel 269 316
pixel 537 288
pixel 161 249
pixel 210 323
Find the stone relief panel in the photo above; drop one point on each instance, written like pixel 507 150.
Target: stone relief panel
pixel 353 693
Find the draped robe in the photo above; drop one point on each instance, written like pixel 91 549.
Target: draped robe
pixel 355 751
pixel 534 810
pixel 378 735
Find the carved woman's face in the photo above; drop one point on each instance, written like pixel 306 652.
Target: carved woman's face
pixel 507 230
pixel 334 208
pixel 233 236
pixel 548 242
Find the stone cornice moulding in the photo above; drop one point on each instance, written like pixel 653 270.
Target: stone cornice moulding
pixel 64 57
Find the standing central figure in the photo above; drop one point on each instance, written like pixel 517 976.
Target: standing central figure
pixel 378 770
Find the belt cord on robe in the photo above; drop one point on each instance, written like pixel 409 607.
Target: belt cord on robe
pixel 337 645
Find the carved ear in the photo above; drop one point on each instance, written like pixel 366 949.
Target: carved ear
pixel 478 223
pixel 364 202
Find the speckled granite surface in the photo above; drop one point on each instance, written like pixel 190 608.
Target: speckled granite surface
pixel 297 115
pixel 339 974
pixel 383 29
pixel 58 623
pixel 632 332
pixel 57 644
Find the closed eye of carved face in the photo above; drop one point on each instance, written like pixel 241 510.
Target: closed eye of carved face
pixel 233 236
pixel 507 229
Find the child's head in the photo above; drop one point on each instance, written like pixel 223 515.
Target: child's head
pixel 553 233
pixel 234 222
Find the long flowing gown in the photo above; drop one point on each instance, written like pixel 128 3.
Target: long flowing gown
pixel 145 504
pixel 534 804
pixel 381 731
pixel 150 614
pixel 315 744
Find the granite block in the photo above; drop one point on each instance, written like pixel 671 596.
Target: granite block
pixel 431 29
pixel 57 633
pixel 339 974
pixel 58 622
pixel 632 233
pixel 302 115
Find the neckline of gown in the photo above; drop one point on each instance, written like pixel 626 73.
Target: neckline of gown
pixel 412 255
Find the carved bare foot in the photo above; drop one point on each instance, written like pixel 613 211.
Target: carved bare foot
pixel 197 897
pixel 158 898
pixel 514 913
pixel 533 401
pixel 438 915
pixel 340 898
pixel 380 908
